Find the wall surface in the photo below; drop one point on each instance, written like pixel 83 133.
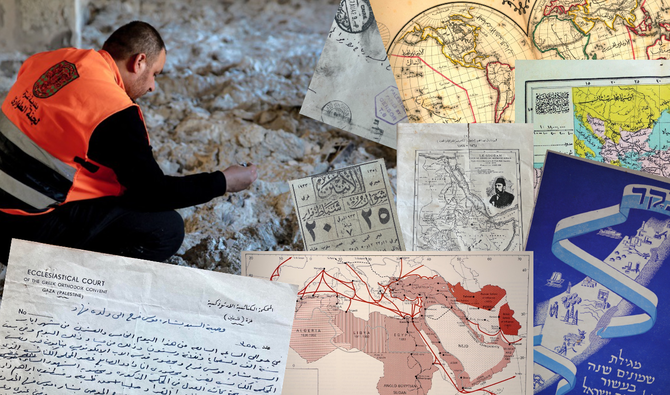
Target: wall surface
pixel 31 26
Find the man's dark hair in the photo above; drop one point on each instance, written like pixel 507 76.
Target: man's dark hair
pixel 500 180
pixel 134 38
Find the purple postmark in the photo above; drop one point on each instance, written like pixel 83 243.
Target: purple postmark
pixel 389 107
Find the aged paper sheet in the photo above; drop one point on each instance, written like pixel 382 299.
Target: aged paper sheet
pixel 349 209
pixel 413 322
pixel 454 61
pixel 600 237
pixel 465 187
pixel 80 322
pixel 353 87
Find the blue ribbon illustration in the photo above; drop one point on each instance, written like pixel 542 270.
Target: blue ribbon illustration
pixel 643 197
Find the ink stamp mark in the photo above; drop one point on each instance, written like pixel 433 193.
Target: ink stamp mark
pixel 336 113
pixel 389 107
pixel 354 16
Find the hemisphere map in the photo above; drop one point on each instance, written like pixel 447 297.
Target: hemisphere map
pixel 455 62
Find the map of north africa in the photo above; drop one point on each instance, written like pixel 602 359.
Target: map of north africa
pixel 430 332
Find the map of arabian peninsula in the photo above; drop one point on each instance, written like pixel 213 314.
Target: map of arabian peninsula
pixel 455 63
pixel 429 330
pixel 592 29
pixel 453 213
pixel 624 125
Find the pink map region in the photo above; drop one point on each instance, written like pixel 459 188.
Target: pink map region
pixel 312 331
pixel 508 324
pixel 435 291
pixel 320 327
pixel 408 364
pixel 486 299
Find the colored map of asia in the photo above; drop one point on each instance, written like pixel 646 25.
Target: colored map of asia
pixel 624 125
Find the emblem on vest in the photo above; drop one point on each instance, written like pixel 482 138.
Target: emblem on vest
pixel 54 79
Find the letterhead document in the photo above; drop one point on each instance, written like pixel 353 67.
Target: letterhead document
pixel 87 323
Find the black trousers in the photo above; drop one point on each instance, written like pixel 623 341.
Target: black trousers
pixel 101 225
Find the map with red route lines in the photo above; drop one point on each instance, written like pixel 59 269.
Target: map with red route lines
pixel 427 323
pixel 455 63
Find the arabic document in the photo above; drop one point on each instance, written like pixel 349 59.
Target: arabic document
pixel 349 209
pixel 465 187
pixel 78 322
pixel 353 86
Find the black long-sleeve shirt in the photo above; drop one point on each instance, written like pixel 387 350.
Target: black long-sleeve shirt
pixel 120 143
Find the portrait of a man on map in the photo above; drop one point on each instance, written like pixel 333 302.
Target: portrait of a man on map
pixel 501 198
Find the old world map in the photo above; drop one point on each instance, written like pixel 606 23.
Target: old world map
pixel 455 61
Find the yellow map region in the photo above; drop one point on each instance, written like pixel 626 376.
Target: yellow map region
pixel 626 107
pixel 457 38
pixel 618 119
pixel 605 11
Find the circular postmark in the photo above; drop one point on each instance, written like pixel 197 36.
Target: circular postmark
pixel 354 16
pixel 336 113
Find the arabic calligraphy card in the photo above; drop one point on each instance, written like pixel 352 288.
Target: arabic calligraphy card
pixel 348 209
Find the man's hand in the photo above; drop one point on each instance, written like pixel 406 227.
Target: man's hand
pixel 240 177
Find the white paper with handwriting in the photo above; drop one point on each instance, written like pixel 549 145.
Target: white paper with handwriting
pixel 81 322
pixel 353 86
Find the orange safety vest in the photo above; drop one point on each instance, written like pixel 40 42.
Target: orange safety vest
pixel 46 123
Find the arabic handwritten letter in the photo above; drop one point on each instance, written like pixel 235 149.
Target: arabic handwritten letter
pixel 82 322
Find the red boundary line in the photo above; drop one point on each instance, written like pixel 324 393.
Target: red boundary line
pixel 445 77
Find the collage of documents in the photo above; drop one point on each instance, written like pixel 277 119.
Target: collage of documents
pixel 520 251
